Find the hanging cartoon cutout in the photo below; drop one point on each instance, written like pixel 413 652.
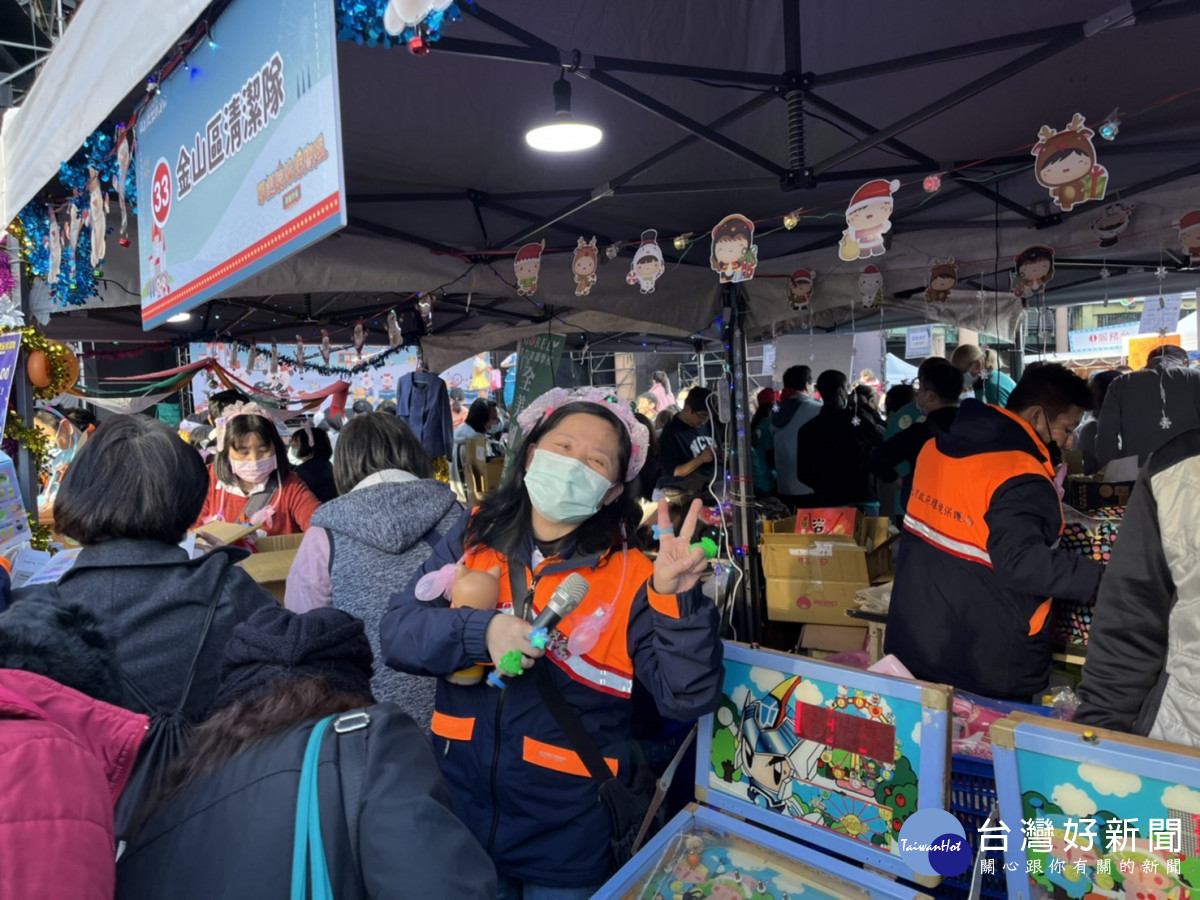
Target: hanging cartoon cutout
pixel 123 161
pixel 1111 223
pixel 583 266
pixel 160 279
pixel 299 355
pixel 869 218
pixel 647 266
pixel 326 347
pixel 360 338
pixel 1189 236
pixel 97 216
pixel 1033 271
pixel 1066 164
pixel 54 246
pixel 274 370
pixel 527 264
pixel 800 289
pixel 395 334
pixel 734 255
pixel 943 276
pixel 870 287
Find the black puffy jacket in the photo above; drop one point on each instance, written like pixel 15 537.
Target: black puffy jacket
pixel 229 833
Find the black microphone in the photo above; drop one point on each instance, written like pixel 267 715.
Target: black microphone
pixel 566 597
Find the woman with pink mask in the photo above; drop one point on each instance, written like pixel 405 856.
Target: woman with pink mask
pixel 251 481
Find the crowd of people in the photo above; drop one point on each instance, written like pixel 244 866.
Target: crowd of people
pixel 183 708
pixel 979 464
pixel 179 705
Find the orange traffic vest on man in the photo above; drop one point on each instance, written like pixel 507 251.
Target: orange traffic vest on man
pixel 951 496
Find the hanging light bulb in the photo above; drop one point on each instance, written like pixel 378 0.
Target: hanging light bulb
pixel 932 183
pixel 791 220
pixel 681 241
pixel 611 251
pixel 564 134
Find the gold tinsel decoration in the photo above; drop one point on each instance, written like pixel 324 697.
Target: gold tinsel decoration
pixel 39 535
pixel 29 437
pixel 441 469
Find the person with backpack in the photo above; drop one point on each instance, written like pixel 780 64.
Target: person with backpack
pixel 65 753
pixel 543 770
pixel 128 499
pixel 296 744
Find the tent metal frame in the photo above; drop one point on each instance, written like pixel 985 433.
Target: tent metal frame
pixel 797 89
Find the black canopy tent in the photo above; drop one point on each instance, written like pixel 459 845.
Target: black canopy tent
pixel 762 108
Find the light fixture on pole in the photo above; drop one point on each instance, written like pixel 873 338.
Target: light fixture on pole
pixel 564 134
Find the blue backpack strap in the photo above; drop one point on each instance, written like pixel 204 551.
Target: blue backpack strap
pixel 308 852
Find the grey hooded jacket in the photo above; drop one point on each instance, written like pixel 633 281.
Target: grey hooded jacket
pixel 1143 664
pixel 380 534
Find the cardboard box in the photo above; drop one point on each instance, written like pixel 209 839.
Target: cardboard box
pixel 1091 493
pixel 813 578
pixel 271 564
pixel 833 638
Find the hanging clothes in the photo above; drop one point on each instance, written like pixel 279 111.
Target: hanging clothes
pixel 423 403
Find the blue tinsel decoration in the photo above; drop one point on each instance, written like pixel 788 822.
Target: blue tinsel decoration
pixel 75 287
pixel 361 21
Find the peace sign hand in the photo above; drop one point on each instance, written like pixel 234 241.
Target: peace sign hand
pixel 679 564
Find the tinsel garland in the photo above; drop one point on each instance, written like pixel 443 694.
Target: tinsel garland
pixel 17 434
pixel 441 469
pixel 39 535
pixel 77 278
pixel 361 21
pixel 375 362
pixel 7 282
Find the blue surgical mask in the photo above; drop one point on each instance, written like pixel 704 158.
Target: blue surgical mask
pixel 495 429
pixel 564 490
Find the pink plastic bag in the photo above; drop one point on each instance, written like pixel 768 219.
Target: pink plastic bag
pixel 890 665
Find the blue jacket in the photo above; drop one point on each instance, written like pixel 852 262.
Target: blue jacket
pixel 423 403
pixel 514 777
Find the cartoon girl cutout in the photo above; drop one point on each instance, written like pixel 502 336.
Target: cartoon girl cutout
pixel 583 266
pixel 1066 164
pixel 1111 223
pixel 734 255
pixel 1034 269
pixel 647 266
pixel 526 265
pixel 943 276
pixel 800 289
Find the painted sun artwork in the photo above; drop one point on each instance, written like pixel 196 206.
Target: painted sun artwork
pixel 702 865
pixel 1100 833
pixel 814 751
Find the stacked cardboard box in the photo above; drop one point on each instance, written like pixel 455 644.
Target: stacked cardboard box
pixel 813 578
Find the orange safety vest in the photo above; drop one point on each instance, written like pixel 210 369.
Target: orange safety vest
pixel 951 496
pixel 607 667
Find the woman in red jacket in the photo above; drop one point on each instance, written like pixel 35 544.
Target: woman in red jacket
pixel 251 481
pixel 64 756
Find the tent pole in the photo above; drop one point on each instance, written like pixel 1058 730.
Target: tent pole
pixel 748 621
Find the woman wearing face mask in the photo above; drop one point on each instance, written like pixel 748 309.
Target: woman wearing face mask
pixel 251 481
pixel 520 785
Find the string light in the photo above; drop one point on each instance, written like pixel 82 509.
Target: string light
pixel 1111 125
pixel 932 183
pixel 681 241
pixel 791 220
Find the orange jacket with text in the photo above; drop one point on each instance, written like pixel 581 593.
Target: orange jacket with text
pixel 979 561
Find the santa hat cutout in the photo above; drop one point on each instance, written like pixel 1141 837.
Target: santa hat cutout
pixel 870 270
pixel 801 275
pixel 1189 221
pixel 872 192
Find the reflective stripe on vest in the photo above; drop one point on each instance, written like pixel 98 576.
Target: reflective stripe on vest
pixel 935 537
pixel 594 675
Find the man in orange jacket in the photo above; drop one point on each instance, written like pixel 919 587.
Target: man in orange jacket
pixel 971 599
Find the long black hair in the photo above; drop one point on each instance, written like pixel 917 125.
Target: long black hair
pixel 503 521
pixel 236 431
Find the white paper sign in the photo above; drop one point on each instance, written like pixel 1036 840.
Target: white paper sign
pixel 1160 315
